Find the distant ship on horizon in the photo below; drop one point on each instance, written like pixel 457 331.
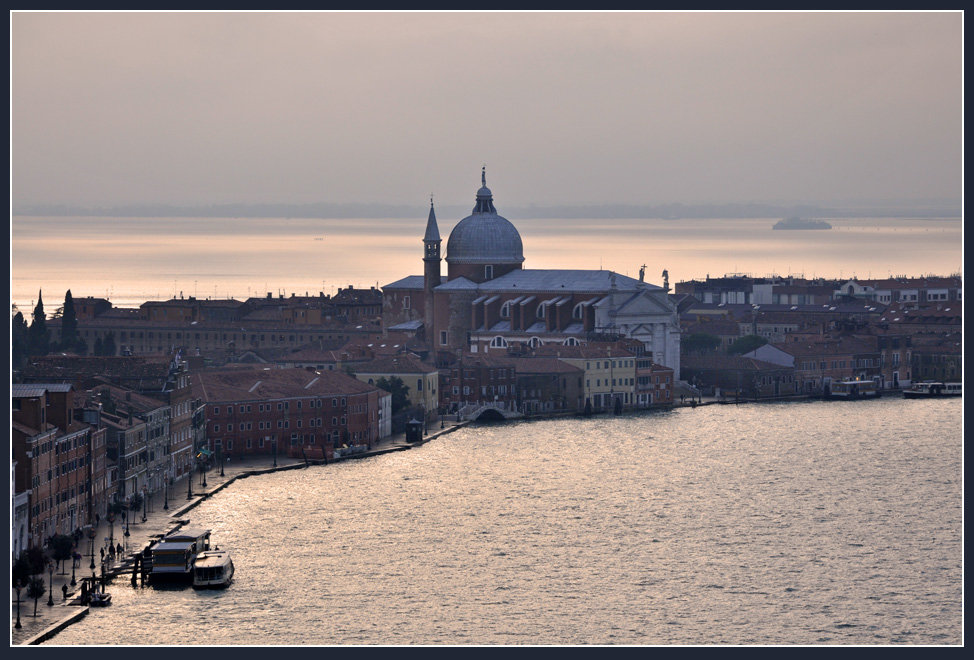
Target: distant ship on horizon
pixel 801 223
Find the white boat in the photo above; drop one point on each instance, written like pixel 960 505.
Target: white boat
pixel 932 389
pixel 852 389
pixel 173 557
pixel 213 570
pixel 100 599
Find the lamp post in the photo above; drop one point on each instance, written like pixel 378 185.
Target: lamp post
pixel 111 534
pixel 127 518
pixel 275 452
pixel 50 591
pixel 92 533
pixel 145 502
pixel 203 471
pixel 74 561
pixel 221 461
pixel 189 486
pixel 18 587
pixel 165 486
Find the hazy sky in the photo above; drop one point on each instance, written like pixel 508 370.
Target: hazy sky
pixel 646 108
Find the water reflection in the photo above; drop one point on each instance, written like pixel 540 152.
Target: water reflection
pixel 831 523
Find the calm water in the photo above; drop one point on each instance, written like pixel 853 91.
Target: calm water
pixel 807 523
pixel 130 260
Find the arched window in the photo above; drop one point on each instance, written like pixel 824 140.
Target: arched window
pixel 540 312
pixel 578 311
pixel 506 310
pixel 534 342
pixel 498 342
pixel 571 341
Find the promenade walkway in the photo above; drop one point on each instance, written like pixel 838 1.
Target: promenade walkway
pixel 162 515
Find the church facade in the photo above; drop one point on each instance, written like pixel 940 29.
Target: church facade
pixel 489 302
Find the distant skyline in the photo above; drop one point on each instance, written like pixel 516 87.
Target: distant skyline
pixel 564 108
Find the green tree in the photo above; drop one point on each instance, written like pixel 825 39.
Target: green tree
pixel 398 389
pixel 746 344
pixel 19 339
pixel 69 323
pixel 700 342
pixel 61 547
pixel 39 338
pixel 109 345
pixel 35 590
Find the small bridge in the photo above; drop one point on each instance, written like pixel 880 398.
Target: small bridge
pixel 488 412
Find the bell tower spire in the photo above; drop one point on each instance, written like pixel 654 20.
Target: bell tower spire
pixel 431 269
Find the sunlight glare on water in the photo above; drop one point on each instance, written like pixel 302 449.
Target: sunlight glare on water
pixel 797 523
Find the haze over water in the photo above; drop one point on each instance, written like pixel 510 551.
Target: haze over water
pixel 131 260
pixel 794 523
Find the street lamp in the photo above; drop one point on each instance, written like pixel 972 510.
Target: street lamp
pixel 221 461
pixel 275 453
pixel 145 502
pixel 165 502
pixel 74 561
pixel 203 472
pixel 111 534
pixel 127 517
pixel 50 592
pixel 189 486
pixel 18 586
pixel 92 533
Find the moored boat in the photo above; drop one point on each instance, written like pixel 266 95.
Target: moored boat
pixel 213 570
pixel 849 390
pixel 172 558
pixel 100 599
pixel 932 389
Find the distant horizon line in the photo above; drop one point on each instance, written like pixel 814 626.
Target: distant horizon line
pixel 925 208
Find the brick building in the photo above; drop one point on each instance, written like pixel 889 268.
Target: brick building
pixel 259 411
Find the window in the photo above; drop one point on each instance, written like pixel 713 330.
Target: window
pixel 216 428
pixel 405 302
pixel 216 410
pixel 419 384
pixel 506 310
pixel 488 272
pixel 498 342
pixel 443 337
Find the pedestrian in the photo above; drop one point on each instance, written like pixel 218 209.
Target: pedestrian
pixel 111 551
pixel 119 550
pixel 102 551
pixel 64 591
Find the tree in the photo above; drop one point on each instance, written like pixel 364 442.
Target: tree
pixel 700 342
pixel 19 339
pixel 746 344
pixel 69 323
pixel 35 590
pixel 61 547
pixel 398 389
pixel 109 344
pixel 39 338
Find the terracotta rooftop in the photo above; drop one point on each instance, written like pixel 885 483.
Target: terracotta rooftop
pixel 257 384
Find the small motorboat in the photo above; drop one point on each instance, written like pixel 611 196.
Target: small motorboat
pixel 213 570
pixel 100 599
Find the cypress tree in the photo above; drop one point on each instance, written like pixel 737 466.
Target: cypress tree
pixel 19 339
pixel 38 336
pixel 69 323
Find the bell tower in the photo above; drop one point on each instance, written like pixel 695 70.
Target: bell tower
pixel 431 271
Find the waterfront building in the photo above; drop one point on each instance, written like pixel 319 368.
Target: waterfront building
pixel 740 376
pixel 259 411
pixel 489 302
pixel 547 385
pixel 54 459
pixel 422 379
pixel 471 382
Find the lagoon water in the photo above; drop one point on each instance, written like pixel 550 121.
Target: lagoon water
pixel 131 260
pixel 819 522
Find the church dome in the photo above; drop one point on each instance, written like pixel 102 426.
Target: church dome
pixel 484 237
